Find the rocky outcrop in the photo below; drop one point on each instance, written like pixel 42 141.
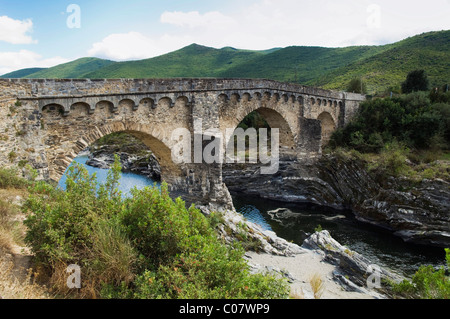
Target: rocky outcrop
pixel 234 226
pixel 353 271
pixel 418 212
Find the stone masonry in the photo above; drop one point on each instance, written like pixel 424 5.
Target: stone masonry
pixel 46 123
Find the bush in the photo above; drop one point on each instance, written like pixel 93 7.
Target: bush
pixel 409 119
pixel 10 179
pixel 143 246
pixel 357 85
pixel 427 283
pixel 416 80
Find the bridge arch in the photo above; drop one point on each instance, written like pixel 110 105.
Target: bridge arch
pixel 328 126
pixel 273 117
pixel 60 160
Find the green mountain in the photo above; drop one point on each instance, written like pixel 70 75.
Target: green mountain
pixel 381 67
pixel 300 64
pixel 21 73
pixel 75 69
pixel 192 61
pixel 388 68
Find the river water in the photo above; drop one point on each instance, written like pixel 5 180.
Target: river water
pixel 299 221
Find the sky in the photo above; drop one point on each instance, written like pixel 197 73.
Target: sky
pixel 50 32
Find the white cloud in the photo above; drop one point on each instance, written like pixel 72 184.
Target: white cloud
pixel 265 24
pixel 135 45
pixel 12 61
pixel 16 31
pixel 194 19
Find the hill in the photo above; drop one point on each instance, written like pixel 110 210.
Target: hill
pixel 383 67
pixel 300 64
pixel 191 61
pixel 388 68
pixel 75 69
pixel 21 73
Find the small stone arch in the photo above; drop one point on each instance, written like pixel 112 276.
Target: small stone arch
pixel 328 126
pixel 148 103
pixel 54 110
pixel 246 97
pixel 128 103
pixel 80 109
pixel 184 100
pixel 106 104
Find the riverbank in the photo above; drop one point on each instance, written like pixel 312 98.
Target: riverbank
pixel 414 208
pixel 274 254
pixel 344 273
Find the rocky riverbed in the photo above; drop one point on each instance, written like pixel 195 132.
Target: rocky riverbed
pixel 345 274
pixel 418 212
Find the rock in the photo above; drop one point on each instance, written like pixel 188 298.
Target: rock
pixel 146 165
pixel 353 271
pixel 418 212
pixel 235 225
pixel 98 163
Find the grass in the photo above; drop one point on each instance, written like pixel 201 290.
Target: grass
pixel 15 283
pixel 405 163
pixel 317 285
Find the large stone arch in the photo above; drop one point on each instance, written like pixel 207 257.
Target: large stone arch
pixel 61 157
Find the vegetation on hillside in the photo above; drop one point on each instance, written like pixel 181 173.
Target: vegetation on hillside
pixel 21 73
pixel 418 123
pixel 75 69
pixel 384 71
pixel 192 61
pixel 381 68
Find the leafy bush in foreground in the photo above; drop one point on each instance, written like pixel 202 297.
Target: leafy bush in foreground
pixel 143 246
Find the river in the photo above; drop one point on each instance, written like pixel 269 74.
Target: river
pixel 381 247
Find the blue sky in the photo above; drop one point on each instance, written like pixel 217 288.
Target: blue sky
pixel 37 33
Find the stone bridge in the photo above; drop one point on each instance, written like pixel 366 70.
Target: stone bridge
pixel 46 123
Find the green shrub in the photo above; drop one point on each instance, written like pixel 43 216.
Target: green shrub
pixel 409 119
pixel 427 283
pixel 142 246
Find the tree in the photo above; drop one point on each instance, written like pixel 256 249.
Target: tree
pixel 416 80
pixel 357 85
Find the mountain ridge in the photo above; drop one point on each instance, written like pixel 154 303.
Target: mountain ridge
pixel 382 67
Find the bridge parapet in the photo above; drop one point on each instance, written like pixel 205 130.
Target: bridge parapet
pixel 67 92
